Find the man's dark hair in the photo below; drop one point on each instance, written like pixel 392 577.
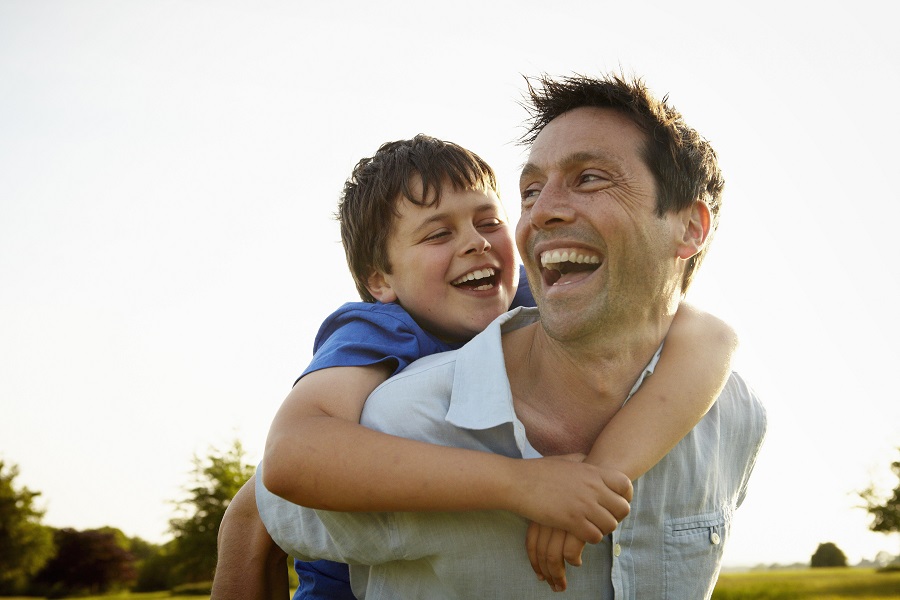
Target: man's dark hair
pixel 368 204
pixel 682 162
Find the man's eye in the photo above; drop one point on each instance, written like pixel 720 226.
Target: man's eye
pixel 529 195
pixel 592 177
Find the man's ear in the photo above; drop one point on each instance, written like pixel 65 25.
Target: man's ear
pixel 380 288
pixel 696 229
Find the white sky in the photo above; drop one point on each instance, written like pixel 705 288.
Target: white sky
pixel 168 172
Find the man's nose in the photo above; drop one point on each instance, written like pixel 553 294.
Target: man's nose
pixel 553 206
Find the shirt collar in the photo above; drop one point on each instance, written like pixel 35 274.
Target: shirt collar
pixel 481 397
pixel 647 372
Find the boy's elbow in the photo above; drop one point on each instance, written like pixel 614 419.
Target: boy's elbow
pixel 728 337
pixel 274 474
pixel 719 333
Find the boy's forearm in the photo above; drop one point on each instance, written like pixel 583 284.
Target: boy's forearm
pixel 373 471
pixel 636 439
pixel 693 368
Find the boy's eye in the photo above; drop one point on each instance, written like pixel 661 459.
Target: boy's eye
pixel 437 235
pixel 490 223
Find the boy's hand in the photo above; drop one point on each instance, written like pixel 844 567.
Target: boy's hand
pixel 549 550
pixel 570 503
pixel 582 499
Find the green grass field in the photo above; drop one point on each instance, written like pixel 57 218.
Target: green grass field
pixel 124 596
pixel 818 584
pixel 821 584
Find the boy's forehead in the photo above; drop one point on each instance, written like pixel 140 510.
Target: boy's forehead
pixel 453 201
pixel 438 188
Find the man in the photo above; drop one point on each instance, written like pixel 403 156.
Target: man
pixel 618 199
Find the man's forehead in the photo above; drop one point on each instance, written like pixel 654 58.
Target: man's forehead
pixel 585 134
pixel 586 129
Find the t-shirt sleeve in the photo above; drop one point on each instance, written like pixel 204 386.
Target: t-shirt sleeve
pixel 362 337
pixel 523 295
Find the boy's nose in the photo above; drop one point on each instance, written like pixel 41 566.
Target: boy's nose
pixel 477 244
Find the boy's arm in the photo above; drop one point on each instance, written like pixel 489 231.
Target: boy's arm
pixel 249 565
pixel 318 455
pixel 692 370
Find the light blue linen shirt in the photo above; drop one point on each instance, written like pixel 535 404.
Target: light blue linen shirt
pixel 670 546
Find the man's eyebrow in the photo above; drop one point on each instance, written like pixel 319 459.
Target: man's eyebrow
pixel 529 170
pixel 567 162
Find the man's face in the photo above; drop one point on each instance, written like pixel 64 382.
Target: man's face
pixel 452 266
pixel 596 253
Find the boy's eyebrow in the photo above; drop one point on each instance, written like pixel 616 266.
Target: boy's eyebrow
pixel 487 206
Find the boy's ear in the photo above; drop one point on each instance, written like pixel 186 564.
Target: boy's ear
pixel 380 288
pixel 696 224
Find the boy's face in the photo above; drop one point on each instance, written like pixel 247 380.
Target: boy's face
pixel 453 265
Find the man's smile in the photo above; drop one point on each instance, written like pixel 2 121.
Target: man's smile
pixel 563 266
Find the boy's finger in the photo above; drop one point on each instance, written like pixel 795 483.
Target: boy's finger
pixel 620 484
pixel 531 538
pixel 543 540
pixel 572 549
pixel 553 561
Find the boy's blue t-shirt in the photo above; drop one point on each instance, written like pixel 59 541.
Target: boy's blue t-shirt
pixel 355 335
pixel 368 333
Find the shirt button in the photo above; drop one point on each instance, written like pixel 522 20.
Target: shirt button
pixel 617 550
pixel 715 539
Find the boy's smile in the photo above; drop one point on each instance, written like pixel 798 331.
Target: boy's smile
pixel 452 265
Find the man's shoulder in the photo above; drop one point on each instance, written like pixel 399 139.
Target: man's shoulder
pixel 741 394
pixel 740 406
pixel 417 395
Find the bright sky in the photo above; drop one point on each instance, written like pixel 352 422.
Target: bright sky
pixel 168 172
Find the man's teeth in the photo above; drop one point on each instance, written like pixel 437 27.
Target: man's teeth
pixel 478 274
pixel 555 257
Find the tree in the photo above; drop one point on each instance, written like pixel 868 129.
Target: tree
pixel 885 514
pixel 87 561
pixel 156 570
pixel 828 555
pixel 216 480
pixel 25 544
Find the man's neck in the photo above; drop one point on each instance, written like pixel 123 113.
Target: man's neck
pixel 566 393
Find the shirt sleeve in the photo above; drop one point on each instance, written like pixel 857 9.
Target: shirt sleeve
pixel 307 534
pixel 369 335
pixel 523 295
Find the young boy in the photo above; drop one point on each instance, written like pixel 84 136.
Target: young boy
pixel 432 256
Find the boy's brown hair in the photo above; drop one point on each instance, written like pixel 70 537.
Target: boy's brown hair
pixel 683 163
pixel 368 203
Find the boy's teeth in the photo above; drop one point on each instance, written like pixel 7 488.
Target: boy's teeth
pixel 477 274
pixel 555 257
